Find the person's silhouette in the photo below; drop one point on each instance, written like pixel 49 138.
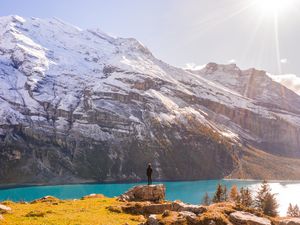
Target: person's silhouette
pixel 149 174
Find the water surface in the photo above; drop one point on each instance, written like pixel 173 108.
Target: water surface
pixel 187 191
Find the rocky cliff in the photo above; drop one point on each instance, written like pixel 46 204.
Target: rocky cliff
pixel 81 106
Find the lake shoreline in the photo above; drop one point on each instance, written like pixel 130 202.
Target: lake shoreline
pixel 12 186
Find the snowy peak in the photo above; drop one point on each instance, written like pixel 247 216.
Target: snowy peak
pixel 73 94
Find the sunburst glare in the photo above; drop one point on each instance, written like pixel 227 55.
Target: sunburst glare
pixel 269 7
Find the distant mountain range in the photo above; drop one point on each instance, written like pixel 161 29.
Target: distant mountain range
pixel 81 106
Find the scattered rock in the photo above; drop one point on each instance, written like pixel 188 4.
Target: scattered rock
pixel 290 221
pixel 49 199
pixel 4 209
pixel 139 218
pixel 116 209
pixel 180 206
pixel 152 220
pixel 244 218
pixel 152 193
pixel 36 213
pixel 166 213
pixel 92 196
pixel 187 214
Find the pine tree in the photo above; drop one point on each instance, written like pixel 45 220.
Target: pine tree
pixel 218 197
pixel 225 195
pixel 220 194
pixel 296 211
pixel 234 194
pixel 261 194
pixel 270 205
pixel 246 197
pixel 206 199
pixel 265 200
pixel 293 211
pixel 290 211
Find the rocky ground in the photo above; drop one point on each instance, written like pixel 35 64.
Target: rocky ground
pixel 143 205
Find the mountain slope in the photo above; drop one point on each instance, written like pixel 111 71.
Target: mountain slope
pixel 78 106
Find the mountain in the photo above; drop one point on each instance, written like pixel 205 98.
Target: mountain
pixel 81 106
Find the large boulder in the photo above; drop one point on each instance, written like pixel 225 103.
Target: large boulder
pixel 152 193
pixel 244 218
pixel 290 221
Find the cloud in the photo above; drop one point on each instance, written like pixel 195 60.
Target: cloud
pixel 291 81
pixel 231 61
pixel 284 61
pixel 193 66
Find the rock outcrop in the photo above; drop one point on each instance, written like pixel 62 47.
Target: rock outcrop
pixel 152 193
pixel 147 208
pixel 244 218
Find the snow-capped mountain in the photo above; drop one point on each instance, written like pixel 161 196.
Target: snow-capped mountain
pixel 78 105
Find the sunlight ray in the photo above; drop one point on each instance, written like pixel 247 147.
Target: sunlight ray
pixel 202 27
pixel 276 32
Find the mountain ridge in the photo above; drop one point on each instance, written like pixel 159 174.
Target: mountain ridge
pixel 81 106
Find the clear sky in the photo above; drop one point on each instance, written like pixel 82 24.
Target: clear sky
pixel 192 32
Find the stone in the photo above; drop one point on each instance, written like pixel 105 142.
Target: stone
pixel 92 196
pixel 152 193
pixel 152 220
pixel 180 206
pixel 4 208
pixel 49 199
pixel 290 221
pixel 244 218
pixel 188 215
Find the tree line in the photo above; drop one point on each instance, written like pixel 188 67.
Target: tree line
pixel 263 200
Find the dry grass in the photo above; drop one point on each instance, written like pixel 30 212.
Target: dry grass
pixel 89 211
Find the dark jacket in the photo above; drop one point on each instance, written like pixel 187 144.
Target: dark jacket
pixel 149 171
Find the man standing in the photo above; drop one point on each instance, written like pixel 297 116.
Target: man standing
pixel 149 174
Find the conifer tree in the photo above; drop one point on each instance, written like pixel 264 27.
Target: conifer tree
pixel 206 199
pixel 270 205
pixel 225 195
pixel 265 200
pixel 293 211
pixel 218 197
pixel 234 195
pixel 296 211
pixel 290 211
pixel 220 194
pixel 246 197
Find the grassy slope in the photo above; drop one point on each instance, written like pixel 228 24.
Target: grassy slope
pixel 91 211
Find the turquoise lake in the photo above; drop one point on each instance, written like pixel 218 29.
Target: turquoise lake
pixel 186 191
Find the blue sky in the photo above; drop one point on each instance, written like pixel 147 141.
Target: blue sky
pixel 192 32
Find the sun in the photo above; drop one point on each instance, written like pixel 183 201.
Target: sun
pixel 270 7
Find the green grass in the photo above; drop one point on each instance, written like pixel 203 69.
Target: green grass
pixel 90 211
